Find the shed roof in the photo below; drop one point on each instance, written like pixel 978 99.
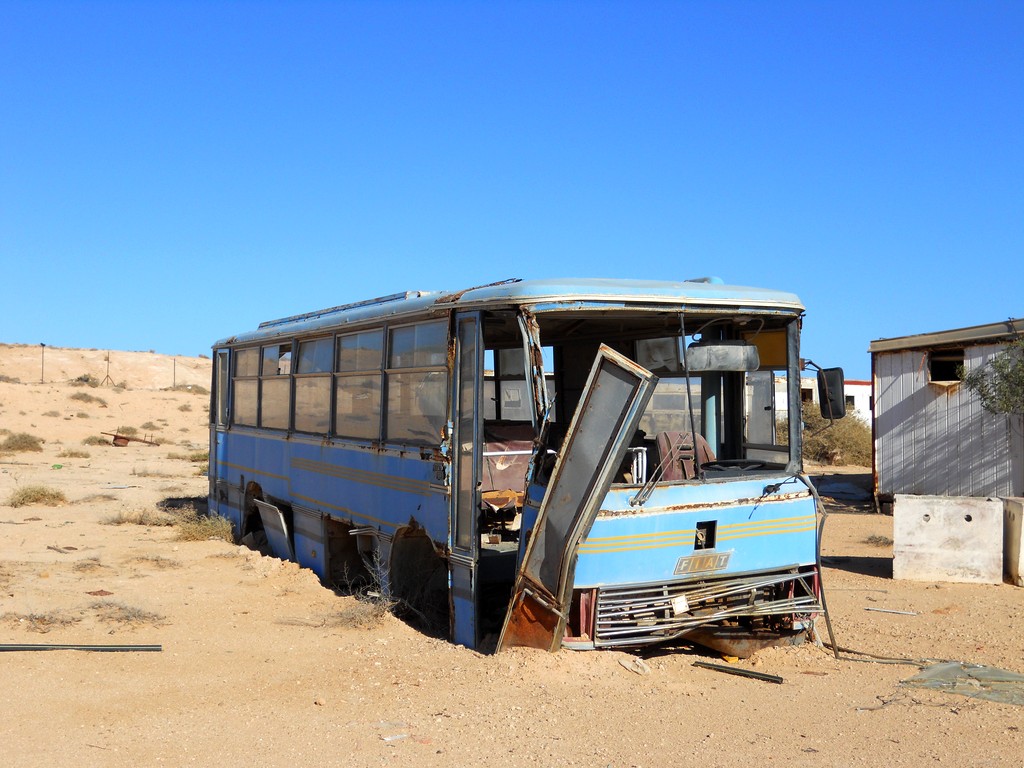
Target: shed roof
pixel 973 335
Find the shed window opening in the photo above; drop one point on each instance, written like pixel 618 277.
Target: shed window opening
pixel 944 365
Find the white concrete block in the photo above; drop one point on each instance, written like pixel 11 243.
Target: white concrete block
pixel 1013 532
pixel 947 538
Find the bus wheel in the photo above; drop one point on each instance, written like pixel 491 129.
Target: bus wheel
pixel 419 581
pixel 252 534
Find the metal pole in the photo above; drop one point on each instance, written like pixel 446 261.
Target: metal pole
pixel 42 362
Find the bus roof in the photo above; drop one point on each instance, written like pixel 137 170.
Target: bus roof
pixel 539 295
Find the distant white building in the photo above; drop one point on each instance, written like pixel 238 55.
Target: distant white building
pixel 931 435
pixel 856 392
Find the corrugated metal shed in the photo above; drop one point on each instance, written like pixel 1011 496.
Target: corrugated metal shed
pixel 931 435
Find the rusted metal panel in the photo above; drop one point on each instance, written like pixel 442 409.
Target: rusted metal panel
pixel 530 623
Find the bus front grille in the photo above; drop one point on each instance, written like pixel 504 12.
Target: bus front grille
pixel 644 614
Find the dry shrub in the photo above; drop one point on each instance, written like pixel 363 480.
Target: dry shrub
pixel 228 554
pixel 88 565
pixel 36 494
pixel 195 456
pixel 94 497
pixel 185 407
pixel 195 389
pixel 128 431
pixel 147 517
pixel 40 622
pixel 157 561
pixel 22 441
pixel 151 426
pixel 111 612
pixel 146 472
pixel 96 440
pixel 85 397
pixel 9 379
pixel 372 601
pixel 878 541
pixel 362 613
pixel 86 380
pixel 192 526
pixel 73 453
pixel 52 413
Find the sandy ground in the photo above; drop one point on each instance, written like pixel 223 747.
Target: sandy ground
pixel 261 664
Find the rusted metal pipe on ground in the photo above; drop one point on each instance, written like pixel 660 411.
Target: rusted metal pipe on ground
pixel 57 647
pixel 740 672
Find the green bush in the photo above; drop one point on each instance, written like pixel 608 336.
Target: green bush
pixel 999 383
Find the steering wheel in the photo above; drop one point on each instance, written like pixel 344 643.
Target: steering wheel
pixel 744 465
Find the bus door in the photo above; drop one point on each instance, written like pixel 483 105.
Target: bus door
pixel 464 541
pixel 606 419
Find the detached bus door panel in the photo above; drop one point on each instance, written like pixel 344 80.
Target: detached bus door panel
pixel 614 399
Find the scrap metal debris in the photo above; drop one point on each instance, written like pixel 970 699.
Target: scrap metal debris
pixel 635 665
pixel 892 610
pixel 121 440
pixel 975 680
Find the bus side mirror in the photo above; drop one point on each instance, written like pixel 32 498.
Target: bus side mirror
pixel 831 393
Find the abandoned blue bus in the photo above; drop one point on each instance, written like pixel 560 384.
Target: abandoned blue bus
pixel 584 463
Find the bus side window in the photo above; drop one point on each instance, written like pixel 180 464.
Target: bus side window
pixel 245 386
pixel 219 412
pixel 275 386
pixel 357 384
pixel 313 386
pixel 417 383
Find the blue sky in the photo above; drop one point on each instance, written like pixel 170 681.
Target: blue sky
pixel 172 173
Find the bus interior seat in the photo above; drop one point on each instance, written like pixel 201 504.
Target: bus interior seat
pixel 678 457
